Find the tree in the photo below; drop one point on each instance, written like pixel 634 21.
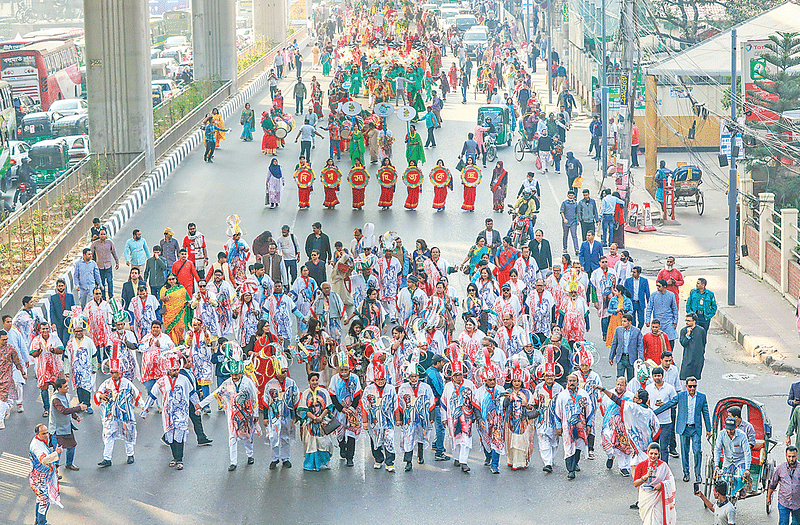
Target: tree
pixel 777 92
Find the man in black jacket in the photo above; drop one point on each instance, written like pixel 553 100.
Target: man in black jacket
pixel 320 242
pixel 540 250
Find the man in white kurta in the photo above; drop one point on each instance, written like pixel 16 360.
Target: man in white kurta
pixel 544 397
pixel 573 410
pixel 541 305
pixel 411 300
pixel 388 269
pixel 143 308
pixel 415 403
pixel 461 409
pixel 225 294
pixel 117 398
pixel 280 401
pixel 511 338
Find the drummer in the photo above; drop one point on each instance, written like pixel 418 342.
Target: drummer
pixel 269 144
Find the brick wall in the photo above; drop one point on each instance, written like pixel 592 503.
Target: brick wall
pixel 751 240
pixel 794 279
pixel 773 263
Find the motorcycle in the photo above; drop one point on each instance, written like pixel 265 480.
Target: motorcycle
pixel 520 226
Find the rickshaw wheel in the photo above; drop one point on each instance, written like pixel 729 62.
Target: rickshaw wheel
pixel 700 202
pixel 709 478
pixel 519 150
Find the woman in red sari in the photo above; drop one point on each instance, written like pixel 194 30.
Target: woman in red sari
pixel 269 144
pixel 470 178
pixel 387 178
pixel 442 182
pixel 331 177
pixel 304 176
pixel 413 178
pixel 358 178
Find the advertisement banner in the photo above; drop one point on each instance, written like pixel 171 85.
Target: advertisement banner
pixel 725 140
pixel 755 67
pixel 298 11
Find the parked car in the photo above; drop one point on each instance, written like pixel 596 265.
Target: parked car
pixel 71 125
pixel 473 38
pixel 70 106
pixel 163 68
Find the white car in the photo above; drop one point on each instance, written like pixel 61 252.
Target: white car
pixel 168 87
pixel 78 148
pixel 176 41
pixel 70 106
pixel 19 151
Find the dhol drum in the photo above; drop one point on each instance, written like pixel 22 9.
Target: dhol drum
pixel 281 129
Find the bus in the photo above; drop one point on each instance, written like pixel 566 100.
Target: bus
pixel 158 31
pixel 178 23
pixel 46 71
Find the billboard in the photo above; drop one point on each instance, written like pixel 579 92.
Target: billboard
pixel 755 67
pixel 298 11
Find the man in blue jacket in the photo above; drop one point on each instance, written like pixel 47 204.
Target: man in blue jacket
pixel 627 347
pixel 590 253
pixel 639 288
pixel 61 302
pixel 692 413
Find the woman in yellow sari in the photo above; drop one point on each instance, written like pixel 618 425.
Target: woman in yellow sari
pixel 220 135
pixel 178 314
pixel 618 306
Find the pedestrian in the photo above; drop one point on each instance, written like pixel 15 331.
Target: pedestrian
pixel 569 220
pixel 299 91
pixel 248 122
pixel 184 271
pixel 702 303
pixel 724 510
pixel 105 255
pixel 661 393
pixel 634 145
pixel 627 346
pixel 470 179
pixel 136 252
pixel 279 61
pixel 61 302
pixel 662 306
pixel 44 474
pixel 692 415
pixel 656 486
pixel 155 271
pixel 372 141
pixel 414 149
pixel 435 380
pixel 457 398
pixel 307 132
pixel 358 178
pixel 290 251
pixel 345 395
pixel 211 131
pixel 412 178
pixel 86 276
pixel 313 410
pixel 596 130
pixel 387 178
pixel 304 176
pixel 9 359
pixel 493 429
pixel 130 287
pixel 319 241
pixel 586 210
pixel 543 149
pixel 195 244
pixel 573 408
pixel 378 412
pixel 431 123
pixel 464 86
pixel 499 187
pixel 540 250
pixel 786 479
pixel 557 150
pixel 693 340
pixel 674 278
pixel 574 170
pixel 169 248
pixel 47 352
pixel 61 422
pixel 117 398
pixel 639 288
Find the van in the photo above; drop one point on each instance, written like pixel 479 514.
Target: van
pixel 163 68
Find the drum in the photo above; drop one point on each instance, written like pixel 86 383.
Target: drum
pixel 281 129
pixel 347 129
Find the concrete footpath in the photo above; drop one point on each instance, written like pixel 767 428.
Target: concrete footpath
pixel 762 321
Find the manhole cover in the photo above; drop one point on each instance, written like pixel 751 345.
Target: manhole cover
pixel 738 376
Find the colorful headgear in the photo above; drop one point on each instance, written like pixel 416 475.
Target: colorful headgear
pixel 550 365
pixel 234 226
pixel 363 262
pixel 342 358
pixel 234 362
pixel 643 369
pixel 388 241
pixel 584 354
pixel 117 313
pixel 520 374
pixel 379 371
pixel 412 368
pixel 173 360
pixel 76 318
pixel 248 286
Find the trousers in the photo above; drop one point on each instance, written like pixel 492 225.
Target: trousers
pixel 347 447
pixel 547 447
pixel 438 445
pixel 280 442
pixel 572 461
pixel 667 429
pixel 461 453
pixel 108 448
pixel 233 442
pixel 381 455
pixel 691 435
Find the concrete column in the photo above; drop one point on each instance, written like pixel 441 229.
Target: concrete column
pixel 767 206
pixel 788 243
pixel 118 77
pixel 214 40
pixel 651 134
pixel 269 20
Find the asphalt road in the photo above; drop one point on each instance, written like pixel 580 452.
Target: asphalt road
pixel 150 492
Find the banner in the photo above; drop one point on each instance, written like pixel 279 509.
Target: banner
pixel 755 67
pixel 298 11
pixel 725 139
pixel 632 226
pixel 647 219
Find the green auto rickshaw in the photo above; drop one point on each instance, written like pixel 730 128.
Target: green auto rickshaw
pixel 500 116
pixel 49 158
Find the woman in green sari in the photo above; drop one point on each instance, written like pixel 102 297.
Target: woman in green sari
pixel 325 60
pixel 414 150
pixel 177 313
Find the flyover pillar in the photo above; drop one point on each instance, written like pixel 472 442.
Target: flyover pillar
pixel 269 20
pixel 118 77
pixel 214 40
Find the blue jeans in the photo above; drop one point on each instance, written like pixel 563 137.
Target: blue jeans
pixel 299 105
pixel 784 513
pixel 558 164
pixel 291 269
pixel 335 147
pixel 464 92
pixel 438 445
pixel 493 458
pixel 107 280
pixel 41 518
pixel 691 434
pixel 149 384
pixel 604 324
pixel 608 228
pixel 667 429
pixel 567 230
pixel 638 314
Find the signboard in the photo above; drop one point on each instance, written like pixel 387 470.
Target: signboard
pixel 298 11
pixel 638 94
pixel 350 108
pixel 755 67
pixel 624 86
pixel 383 109
pixel 725 139
pixel 406 113
pixel 680 91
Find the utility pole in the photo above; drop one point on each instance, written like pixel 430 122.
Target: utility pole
pixel 549 51
pixel 733 189
pixel 604 97
pixel 626 94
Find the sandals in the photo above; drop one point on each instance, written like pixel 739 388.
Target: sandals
pixel 179 466
pixel 173 463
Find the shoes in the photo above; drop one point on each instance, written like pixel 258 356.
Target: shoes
pixel 105 463
pixel 172 463
pixel 456 463
pixel 389 468
pixel 2 424
pixel 130 460
pixel 250 461
pixel 686 478
pixel 625 472
pixel 89 411
pixel 547 468
pixel 273 465
pixel 609 463
pixel 377 465
pixel 465 468
pixel 205 443
pixel 495 471
pixel 20 410
pixel 421 460
pixel 231 468
pixel 408 467
pixel 207 410
pixel 635 506
pixel 577 468
pixel 349 462
pixel 571 475
pixel 443 457
pixel 591 454
pixel 72 468
pixel 45 413
pixel 674 454
pixel 179 465
pixel 487 462
pixel 287 464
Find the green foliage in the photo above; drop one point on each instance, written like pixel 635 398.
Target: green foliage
pixel 71 204
pixel 99 169
pixel 256 52
pixel 168 113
